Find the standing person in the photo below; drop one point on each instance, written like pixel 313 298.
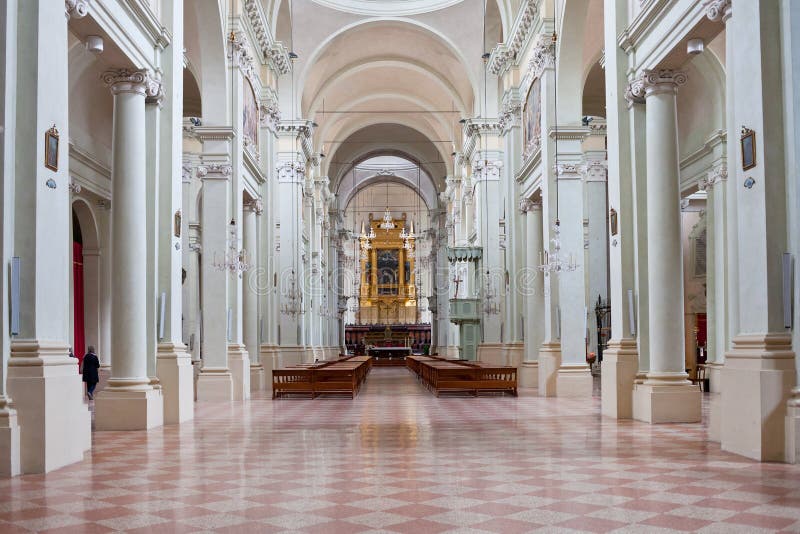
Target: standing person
pixel 91 365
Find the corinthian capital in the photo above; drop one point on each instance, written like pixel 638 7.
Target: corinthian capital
pixel 138 81
pixel 717 10
pixel 76 8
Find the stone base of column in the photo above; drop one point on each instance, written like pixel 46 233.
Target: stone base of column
pixel 450 352
pixel 493 353
pixel 176 374
pixel 239 365
pixel 127 408
pixel 528 376
pixel 549 362
pixel 257 377
pixel 290 355
pixel 666 399
pixel 515 353
pixel 714 417
pixel 214 385
pixel 267 355
pixel 9 441
pixel 54 421
pixel 617 375
pixel 574 380
pixel 757 380
pixel 793 428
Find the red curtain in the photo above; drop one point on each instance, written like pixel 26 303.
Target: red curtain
pixel 78 334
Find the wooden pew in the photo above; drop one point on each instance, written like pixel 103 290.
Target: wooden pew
pixel 459 376
pixel 342 377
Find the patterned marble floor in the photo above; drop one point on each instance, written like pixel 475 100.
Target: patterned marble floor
pixel 398 460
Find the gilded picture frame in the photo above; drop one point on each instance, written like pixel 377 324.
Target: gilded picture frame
pixel 51 140
pixel 748 142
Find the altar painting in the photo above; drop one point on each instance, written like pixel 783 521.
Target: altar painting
pixel 532 118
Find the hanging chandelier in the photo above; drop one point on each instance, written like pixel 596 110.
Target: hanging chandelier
pixel 292 298
pixel 234 260
pixel 554 263
pixel 490 305
pixel 387 223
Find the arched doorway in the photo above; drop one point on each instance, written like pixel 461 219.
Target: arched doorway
pixel 86 295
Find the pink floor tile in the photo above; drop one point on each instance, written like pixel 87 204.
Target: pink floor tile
pixel 397 459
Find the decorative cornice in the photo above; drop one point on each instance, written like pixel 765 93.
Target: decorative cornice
pixel 719 10
pixel 568 171
pixel 125 80
pixel 273 52
pixel 214 133
pixel 505 53
pixel 76 8
pixel 279 56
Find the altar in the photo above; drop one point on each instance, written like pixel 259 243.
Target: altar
pixel 389 356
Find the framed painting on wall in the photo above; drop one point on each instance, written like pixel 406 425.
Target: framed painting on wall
pixel 532 118
pixel 51 148
pixel 250 113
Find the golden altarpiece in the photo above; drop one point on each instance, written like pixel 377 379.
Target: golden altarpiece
pixel 388 290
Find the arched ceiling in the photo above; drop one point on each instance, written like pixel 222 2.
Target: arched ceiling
pixel 387 7
pixel 392 139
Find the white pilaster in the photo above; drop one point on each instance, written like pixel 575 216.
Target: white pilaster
pixel 215 381
pixel 759 370
pixel 532 288
pixel 173 362
pixel 252 212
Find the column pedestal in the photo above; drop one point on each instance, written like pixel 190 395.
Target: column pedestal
pixel 528 376
pixel 793 428
pixel 257 377
pixel 618 373
pixel 175 372
pixel 9 441
pixel 666 401
pixel 239 364
pixel 290 355
pixel 714 375
pixel 47 393
pixel 549 363
pixel 214 385
pixel 267 356
pixel 574 380
pixel 760 366
pixel 121 409
pixel 493 353
pixel 515 354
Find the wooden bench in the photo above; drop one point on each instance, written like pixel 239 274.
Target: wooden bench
pixel 459 376
pixel 341 377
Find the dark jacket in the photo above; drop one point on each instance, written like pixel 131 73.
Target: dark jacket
pixel 91 365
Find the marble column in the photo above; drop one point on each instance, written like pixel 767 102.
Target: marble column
pixel 129 402
pixel 252 213
pixel 529 283
pixel 666 395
